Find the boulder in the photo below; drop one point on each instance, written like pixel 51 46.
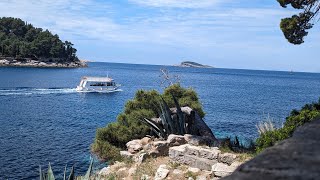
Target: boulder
pixel 162 172
pixel 195 140
pixel 176 140
pixel 193 156
pixel 145 140
pixel 159 148
pixel 227 158
pixel 134 146
pixel 222 170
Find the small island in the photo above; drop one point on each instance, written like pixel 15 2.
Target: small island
pixel 193 64
pixel 23 45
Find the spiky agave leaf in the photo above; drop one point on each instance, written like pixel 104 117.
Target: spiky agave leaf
pixel 167 115
pixel 71 175
pixel 163 118
pixel 87 176
pixel 155 128
pixel 42 177
pixel 181 117
pixel 50 175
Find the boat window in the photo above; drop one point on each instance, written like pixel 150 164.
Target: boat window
pixel 98 84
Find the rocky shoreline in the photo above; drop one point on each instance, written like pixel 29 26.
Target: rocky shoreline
pixel 179 157
pixel 42 64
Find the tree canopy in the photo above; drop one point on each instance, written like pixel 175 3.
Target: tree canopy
pixel 20 40
pixel 295 28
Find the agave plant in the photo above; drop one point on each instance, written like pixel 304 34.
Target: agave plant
pixel 50 176
pixel 170 124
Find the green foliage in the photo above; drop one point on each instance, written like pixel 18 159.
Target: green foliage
pixel 111 139
pixel 297 118
pixel 20 40
pixel 295 28
pixel 170 124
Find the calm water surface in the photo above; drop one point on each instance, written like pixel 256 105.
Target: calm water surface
pixel 43 119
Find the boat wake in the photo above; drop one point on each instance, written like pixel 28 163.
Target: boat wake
pixel 35 91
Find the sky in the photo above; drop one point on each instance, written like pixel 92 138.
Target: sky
pixel 242 34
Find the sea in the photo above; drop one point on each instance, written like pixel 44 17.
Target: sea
pixel 44 120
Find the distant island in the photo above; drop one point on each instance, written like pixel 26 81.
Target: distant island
pixel 193 64
pixel 22 44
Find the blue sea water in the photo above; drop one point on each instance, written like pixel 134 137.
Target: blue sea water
pixel 43 119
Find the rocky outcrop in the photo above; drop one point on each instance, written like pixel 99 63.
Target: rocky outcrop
pixel 294 158
pixel 221 164
pixel 35 63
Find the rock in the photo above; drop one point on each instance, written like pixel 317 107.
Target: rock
pixel 145 140
pixel 177 172
pixel 194 156
pixel 201 178
pixel 190 178
pixel 132 171
pixel 126 154
pixel 134 146
pixel 139 158
pixel 194 170
pixel 227 158
pixel 222 170
pixel 105 171
pixel 159 148
pixel 195 140
pixel 176 140
pixel 162 172
pixel 145 177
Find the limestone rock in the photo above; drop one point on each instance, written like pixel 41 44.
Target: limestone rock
pixel 195 140
pixel 162 172
pixel 194 156
pixel 177 172
pixel 227 158
pixel 159 148
pixel 201 178
pixel 176 140
pixel 145 140
pixel 134 146
pixel 222 170
pixel 194 170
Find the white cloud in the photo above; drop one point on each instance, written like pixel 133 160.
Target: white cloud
pixel 177 3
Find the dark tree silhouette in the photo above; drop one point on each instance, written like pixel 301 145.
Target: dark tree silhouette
pixel 295 28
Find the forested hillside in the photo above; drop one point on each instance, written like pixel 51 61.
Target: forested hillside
pixel 20 40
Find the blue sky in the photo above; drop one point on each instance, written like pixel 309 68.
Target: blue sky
pixel 223 33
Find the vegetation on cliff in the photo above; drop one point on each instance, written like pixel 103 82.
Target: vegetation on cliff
pixel 109 140
pixel 297 118
pixel 19 39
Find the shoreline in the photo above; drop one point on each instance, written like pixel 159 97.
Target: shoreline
pixel 40 64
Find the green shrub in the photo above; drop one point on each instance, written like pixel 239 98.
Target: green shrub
pixel 297 118
pixel 111 139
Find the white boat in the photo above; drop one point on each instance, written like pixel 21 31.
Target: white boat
pixel 98 84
